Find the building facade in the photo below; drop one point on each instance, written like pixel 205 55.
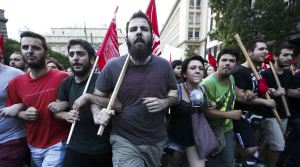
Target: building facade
pixel 3 21
pixel 186 26
pixel 59 37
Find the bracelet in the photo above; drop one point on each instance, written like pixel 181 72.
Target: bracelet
pixel 229 115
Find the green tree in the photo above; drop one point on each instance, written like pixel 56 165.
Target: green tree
pixel 190 51
pixel 10 46
pixel 271 20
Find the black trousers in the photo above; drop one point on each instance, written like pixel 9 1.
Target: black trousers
pixel 74 158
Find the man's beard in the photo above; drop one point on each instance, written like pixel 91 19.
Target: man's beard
pixel 281 64
pixel 40 63
pixel 22 67
pixel 85 70
pixel 140 53
pixel 177 76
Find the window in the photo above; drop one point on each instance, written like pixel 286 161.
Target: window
pixel 81 31
pixel 198 4
pixel 99 39
pixel 99 32
pixel 80 38
pixel 71 38
pixel 90 32
pixel 62 49
pixel 191 18
pixel 191 33
pixel 52 39
pixel 192 4
pixel 62 32
pixel 53 32
pixel 89 39
pixel 62 39
pixel 197 21
pixel 197 33
pixel 53 48
pixel 72 31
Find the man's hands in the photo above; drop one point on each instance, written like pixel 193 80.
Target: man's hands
pixel 71 116
pixel 31 114
pixel 273 92
pixel 80 102
pixel 235 114
pixel 270 103
pixel 58 106
pixel 103 117
pixel 9 112
pixel 154 104
pixel 249 95
pixel 212 106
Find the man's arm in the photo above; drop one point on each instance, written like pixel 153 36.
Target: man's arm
pixel 12 111
pixel 100 100
pixel 155 105
pixel 241 96
pixel 294 93
pixel 58 106
pixel 234 114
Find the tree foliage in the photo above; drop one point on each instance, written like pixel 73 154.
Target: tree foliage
pixel 190 51
pixel 270 20
pixel 11 46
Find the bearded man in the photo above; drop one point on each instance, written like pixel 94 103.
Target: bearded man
pixel 138 132
pixel 17 60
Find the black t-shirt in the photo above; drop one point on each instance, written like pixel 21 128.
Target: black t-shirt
pixel 245 79
pixel 84 138
pixel 284 80
pixel 295 102
pixel 180 127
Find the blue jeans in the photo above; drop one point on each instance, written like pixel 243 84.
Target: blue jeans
pixel 292 144
pixel 49 157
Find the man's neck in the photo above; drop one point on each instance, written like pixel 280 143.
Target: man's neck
pixel 278 69
pixel 223 80
pixel 79 79
pixel 246 64
pixel 34 72
pixel 142 62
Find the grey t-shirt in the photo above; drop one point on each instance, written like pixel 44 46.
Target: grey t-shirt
pixel 11 128
pixel 135 123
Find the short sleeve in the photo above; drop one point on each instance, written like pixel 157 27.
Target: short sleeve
pixel 208 94
pixel 12 94
pixel 61 95
pixel 240 79
pixel 295 81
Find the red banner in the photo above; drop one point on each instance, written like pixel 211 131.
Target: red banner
pixel 110 46
pixel 151 13
pixel 1 49
pixel 212 61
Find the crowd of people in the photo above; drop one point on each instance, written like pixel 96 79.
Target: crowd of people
pixel 39 100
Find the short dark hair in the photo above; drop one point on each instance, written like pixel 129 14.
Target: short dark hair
pixel 228 50
pixel 277 49
pixel 205 61
pixel 187 61
pixel 19 53
pixel 252 45
pixel 176 63
pixel 35 35
pixel 87 46
pixel 139 14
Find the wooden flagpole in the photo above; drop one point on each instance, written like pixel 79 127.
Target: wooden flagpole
pixel 115 92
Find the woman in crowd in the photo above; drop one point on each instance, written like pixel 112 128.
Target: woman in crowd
pixel 209 70
pixel 69 70
pixel 180 133
pixel 53 63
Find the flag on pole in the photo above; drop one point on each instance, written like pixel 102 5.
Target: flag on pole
pixel 152 15
pixel 110 46
pixel 1 49
pixel 268 58
pixel 170 59
pixel 212 61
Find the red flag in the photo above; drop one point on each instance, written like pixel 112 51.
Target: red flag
pixel 151 13
pixel 170 59
pixel 212 61
pixel 268 58
pixel 292 62
pixel 1 49
pixel 110 47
